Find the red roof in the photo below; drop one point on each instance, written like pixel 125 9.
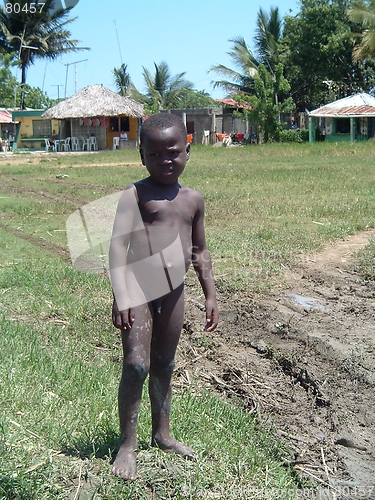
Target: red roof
pixel 5 116
pixel 231 102
pixel 357 105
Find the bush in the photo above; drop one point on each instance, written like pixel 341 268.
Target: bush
pixel 304 135
pixel 290 136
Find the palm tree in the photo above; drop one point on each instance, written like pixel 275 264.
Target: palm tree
pixel 268 34
pixel 122 79
pixel 163 90
pixel 364 14
pixel 266 40
pixel 42 34
pixel 243 59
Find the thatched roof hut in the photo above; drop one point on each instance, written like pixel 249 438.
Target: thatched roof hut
pixel 98 112
pixel 92 101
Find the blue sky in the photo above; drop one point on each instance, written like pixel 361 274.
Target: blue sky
pixel 190 36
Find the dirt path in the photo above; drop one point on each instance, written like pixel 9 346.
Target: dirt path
pixel 302 357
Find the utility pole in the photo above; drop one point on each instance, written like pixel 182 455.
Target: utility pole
pixel 58 90
pixel 66 77
pixel 22 46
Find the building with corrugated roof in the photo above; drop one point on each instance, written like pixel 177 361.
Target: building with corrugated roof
pixel 349 119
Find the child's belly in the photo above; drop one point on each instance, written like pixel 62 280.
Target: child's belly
pixel 156 273
pixel 167 242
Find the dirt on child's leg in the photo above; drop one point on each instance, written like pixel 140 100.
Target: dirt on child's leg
pixel 165 336
pixel 136 348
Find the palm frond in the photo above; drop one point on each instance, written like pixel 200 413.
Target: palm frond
pixel 242 56
pixel 364 15
pixel 267 36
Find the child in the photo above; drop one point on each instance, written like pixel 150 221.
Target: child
pixel 158 231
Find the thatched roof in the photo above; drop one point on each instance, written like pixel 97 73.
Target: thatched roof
pixel 95 100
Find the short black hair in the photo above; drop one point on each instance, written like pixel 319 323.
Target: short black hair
pixel 162 121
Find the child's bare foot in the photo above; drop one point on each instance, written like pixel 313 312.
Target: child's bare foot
pixel 125 464
pixel 173 446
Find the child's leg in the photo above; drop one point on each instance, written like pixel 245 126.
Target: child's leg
pixel 165 336
pixel 136 348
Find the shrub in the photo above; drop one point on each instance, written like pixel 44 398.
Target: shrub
pixel 304 135
pixel 290 136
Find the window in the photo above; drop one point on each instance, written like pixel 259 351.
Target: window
pixel 124 124
pixel 42 128
pixel 343 126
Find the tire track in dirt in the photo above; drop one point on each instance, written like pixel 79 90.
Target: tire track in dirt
pixel 71 197
pixel 38 242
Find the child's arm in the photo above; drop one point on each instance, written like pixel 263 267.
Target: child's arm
pixel 122 313
pixel 202 264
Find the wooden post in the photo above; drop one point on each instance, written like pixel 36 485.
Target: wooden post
pixel 213 128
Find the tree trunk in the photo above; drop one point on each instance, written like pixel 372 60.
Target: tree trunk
pixel 23 82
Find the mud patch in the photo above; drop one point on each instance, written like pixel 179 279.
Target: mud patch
pixel 302 358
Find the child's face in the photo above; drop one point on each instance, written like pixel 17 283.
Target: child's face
pixel 165 153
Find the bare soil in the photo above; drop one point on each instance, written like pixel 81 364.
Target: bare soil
pixel 302 358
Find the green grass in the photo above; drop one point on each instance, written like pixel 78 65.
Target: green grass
pixel 265 206
pixel 366 260
pixel 57 400
pixel 58 384
pixel 61 358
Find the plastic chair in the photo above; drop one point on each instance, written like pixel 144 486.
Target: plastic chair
pixel 49 146
pixel 84 144
pixel 65 145
pixel 75 144
pixel 92 145
pixel 116 143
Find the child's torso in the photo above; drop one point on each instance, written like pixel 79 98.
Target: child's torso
pixel 167 226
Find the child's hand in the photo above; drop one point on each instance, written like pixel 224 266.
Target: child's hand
pixel 212 315
pixel 122 319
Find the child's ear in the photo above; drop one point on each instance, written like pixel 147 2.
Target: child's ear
pixel 188 150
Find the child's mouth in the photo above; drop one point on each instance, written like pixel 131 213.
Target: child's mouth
pixel 167 171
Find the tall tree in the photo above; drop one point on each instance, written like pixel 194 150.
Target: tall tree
pixel 10 88
pixel 8 84
pixel 262 108
pixel 242 79
pixel 317 48
pixel 35 31
pixel 164 91
pixel 268 34
pixel 35 98
pixel 267 37
pixel 198 99
pixel 364 14
pixel 122 79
